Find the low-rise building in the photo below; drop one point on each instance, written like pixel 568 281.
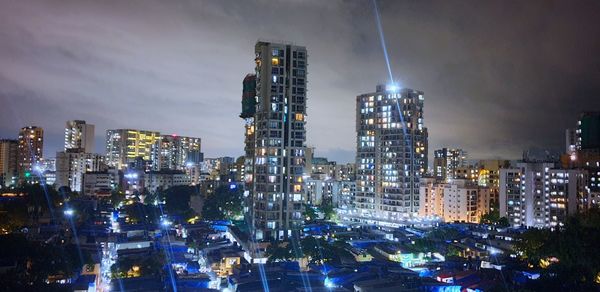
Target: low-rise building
pixel 99 183
pixel 165 179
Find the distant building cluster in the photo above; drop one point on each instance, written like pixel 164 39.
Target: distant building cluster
pixel 135 160
pixel 390 182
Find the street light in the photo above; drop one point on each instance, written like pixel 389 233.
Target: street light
pixel 69 212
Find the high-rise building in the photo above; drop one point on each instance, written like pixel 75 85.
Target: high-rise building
pixel 538 194
pixel 280 140
pixel 345 172
pixel 8 162
pixel 176 152
pixel 79 135
pixel 248 112
pixel 447 161
pixel 391 155
pixel 72 164
pixel 123 146
pixel 322 168
pixel 30 151
pixel 431 198
pixel 584 154
pixel 465 201
pixel 588 131
pixel 570 141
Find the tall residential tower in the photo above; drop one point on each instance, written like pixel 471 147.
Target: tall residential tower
pixel 79 135
pixel 8 162
pixel 280 140
pixel 30 150
pixel 391 155
pixel 447 161
pixel 124 146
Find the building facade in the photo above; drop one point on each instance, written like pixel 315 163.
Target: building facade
pixel 446 162
pixel 583 152
pixel 280 140
pixel 247 114
pixel 345 172
pixel 465 201
pixel 123 146
pixel 8 162
pixel 459 200
pixel 541 195
pixel 100 183
pixel 176 152
pixel 391 155
pixel 79 135
pixel 588 131
pixel 72 164
pixel 30 152
pixel 155 180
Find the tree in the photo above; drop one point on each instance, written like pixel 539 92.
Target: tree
pixel 423 245
pixel 493 218
pixel 150 197
pixel 452 251
pixel 35 261
pixel 444 234
pixel 318 250
pixel 177 199
pixel 224 203
pixel 279 251
pixel 309 213
pixel 36 200
pixel 140 213
pixel 116 197
pixel 147 266
pixel 570 255
pixel 327 209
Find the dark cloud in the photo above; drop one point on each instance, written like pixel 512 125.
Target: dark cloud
pixel 498 76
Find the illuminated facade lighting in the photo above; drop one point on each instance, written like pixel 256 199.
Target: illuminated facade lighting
pixel 278 129
pixel 391 155
pixel 30 150
pixel 123 146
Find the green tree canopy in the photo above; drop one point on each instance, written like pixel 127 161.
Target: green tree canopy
pixel 224 203
pixel 575 247
pixel 177 199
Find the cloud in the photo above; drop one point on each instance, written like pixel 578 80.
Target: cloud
pixel 498 76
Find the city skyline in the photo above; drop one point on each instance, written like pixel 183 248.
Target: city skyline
pixel 286 145
pixel 86 67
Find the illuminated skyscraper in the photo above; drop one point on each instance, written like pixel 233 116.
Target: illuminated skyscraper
pixel 279 159
pixel 447 161
pixel 588 131
pixel 391 146
pixel 123 146
pixel 248 112
pixel 8 162
pixel 176 152
pixel 79 135
pixel 30 151
pixel 538 194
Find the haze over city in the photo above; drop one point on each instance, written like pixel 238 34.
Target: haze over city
pixel 278 146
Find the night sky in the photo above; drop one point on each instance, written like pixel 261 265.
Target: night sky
pixel 498 76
